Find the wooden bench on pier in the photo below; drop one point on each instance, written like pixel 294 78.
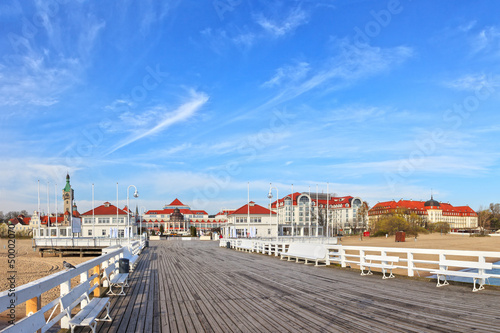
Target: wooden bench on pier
pixel 245 245
pixel 480 275
pixel 115 279
pixel 307 252
pixel 87 316
pixel 382 261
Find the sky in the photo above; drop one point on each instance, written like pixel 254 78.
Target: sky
pixel 211 101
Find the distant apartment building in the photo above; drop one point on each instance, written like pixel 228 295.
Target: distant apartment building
pixel 313 214
pixel 431 211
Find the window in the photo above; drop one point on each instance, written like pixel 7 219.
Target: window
pixel 121 233
pixel 120 220
pixel 103 232
pixel 89 232
pixel 102 220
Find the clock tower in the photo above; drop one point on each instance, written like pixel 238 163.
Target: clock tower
pixel 68 195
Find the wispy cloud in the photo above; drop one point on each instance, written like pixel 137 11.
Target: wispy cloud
pixel 289 73
pixel 487 40
pixel 353 63
pixel 471 82
pixel 35 82
pixel 182 113
pixel 281 27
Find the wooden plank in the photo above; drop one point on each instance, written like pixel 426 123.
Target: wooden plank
pixel 199 287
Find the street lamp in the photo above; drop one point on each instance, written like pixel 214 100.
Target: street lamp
pixel 143 209
pixel 270 196
pixel 136 195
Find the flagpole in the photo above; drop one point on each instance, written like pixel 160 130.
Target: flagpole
pixel 48 204
pixel 327 204
pixel 293 230
pixel 317 212
pixel 39 215
pixel 117 209
pixel 310 213
pixel 248 207
pixel 55 197
pixel 93 216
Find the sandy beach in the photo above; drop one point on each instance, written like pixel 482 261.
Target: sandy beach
pixel 30 267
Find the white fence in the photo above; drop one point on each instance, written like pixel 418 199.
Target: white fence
pixel 411 261
pixel 81 241
pixel 30 293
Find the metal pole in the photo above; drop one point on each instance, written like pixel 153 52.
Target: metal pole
pixel 39 215
pixel 93 216
pixel 48 205
pixel 55 197
pixel 327 205
pixel 293 229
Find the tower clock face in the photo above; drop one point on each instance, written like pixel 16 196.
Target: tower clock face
pixel 66 196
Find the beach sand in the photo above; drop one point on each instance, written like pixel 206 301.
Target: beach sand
pixel 30 267
pixel 430 241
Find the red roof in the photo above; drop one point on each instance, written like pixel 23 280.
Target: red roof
pixel 106 209
pixel 254 210
pixel 419 207
pixel 333 200
pixel 171 210
pixel 176 202
pixel 21 219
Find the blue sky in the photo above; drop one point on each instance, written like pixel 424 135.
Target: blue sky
pixel 190 99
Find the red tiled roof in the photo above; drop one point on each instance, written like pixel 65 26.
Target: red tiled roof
pixel 105 209
pixel 254 210
pixel 176 202
pixel 419 207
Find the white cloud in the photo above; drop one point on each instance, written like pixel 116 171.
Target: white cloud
pixel 278 28
pixel 487 40
pixel 472 82
pixel 166 119
pixel 352 64
pixel 290 73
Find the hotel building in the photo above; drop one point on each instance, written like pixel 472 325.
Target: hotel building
pixel 431 211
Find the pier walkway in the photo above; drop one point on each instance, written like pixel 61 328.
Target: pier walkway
pixel 194 286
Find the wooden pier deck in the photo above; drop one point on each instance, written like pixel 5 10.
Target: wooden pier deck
pixel 194 286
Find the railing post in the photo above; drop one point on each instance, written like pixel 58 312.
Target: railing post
pixel 361 258
pixel 84 277
pixel 410 264
pixel 33 305
pixel 97 279
pixel 65 288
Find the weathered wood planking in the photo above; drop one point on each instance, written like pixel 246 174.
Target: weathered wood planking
pixel 193 286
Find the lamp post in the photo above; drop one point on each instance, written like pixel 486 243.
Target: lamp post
pixel 136 194
pixel 270 196
pixel 143 209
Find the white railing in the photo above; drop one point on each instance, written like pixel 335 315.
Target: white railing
pixel 31 292
pixel 81 241
pixel 411 261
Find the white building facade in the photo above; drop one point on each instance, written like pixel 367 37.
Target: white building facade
pixel 318 214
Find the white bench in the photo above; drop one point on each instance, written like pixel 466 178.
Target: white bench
pixel 306 252
pixel 245 245
pixel 479 275
pixel 87 316
pixel 115 280
pixel 385 263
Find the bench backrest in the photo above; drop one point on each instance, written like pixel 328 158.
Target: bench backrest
pixel 308 249
pixel 382 258
pixel 247 243
pixel 466 264
pixel 108 271
pixel 75 296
